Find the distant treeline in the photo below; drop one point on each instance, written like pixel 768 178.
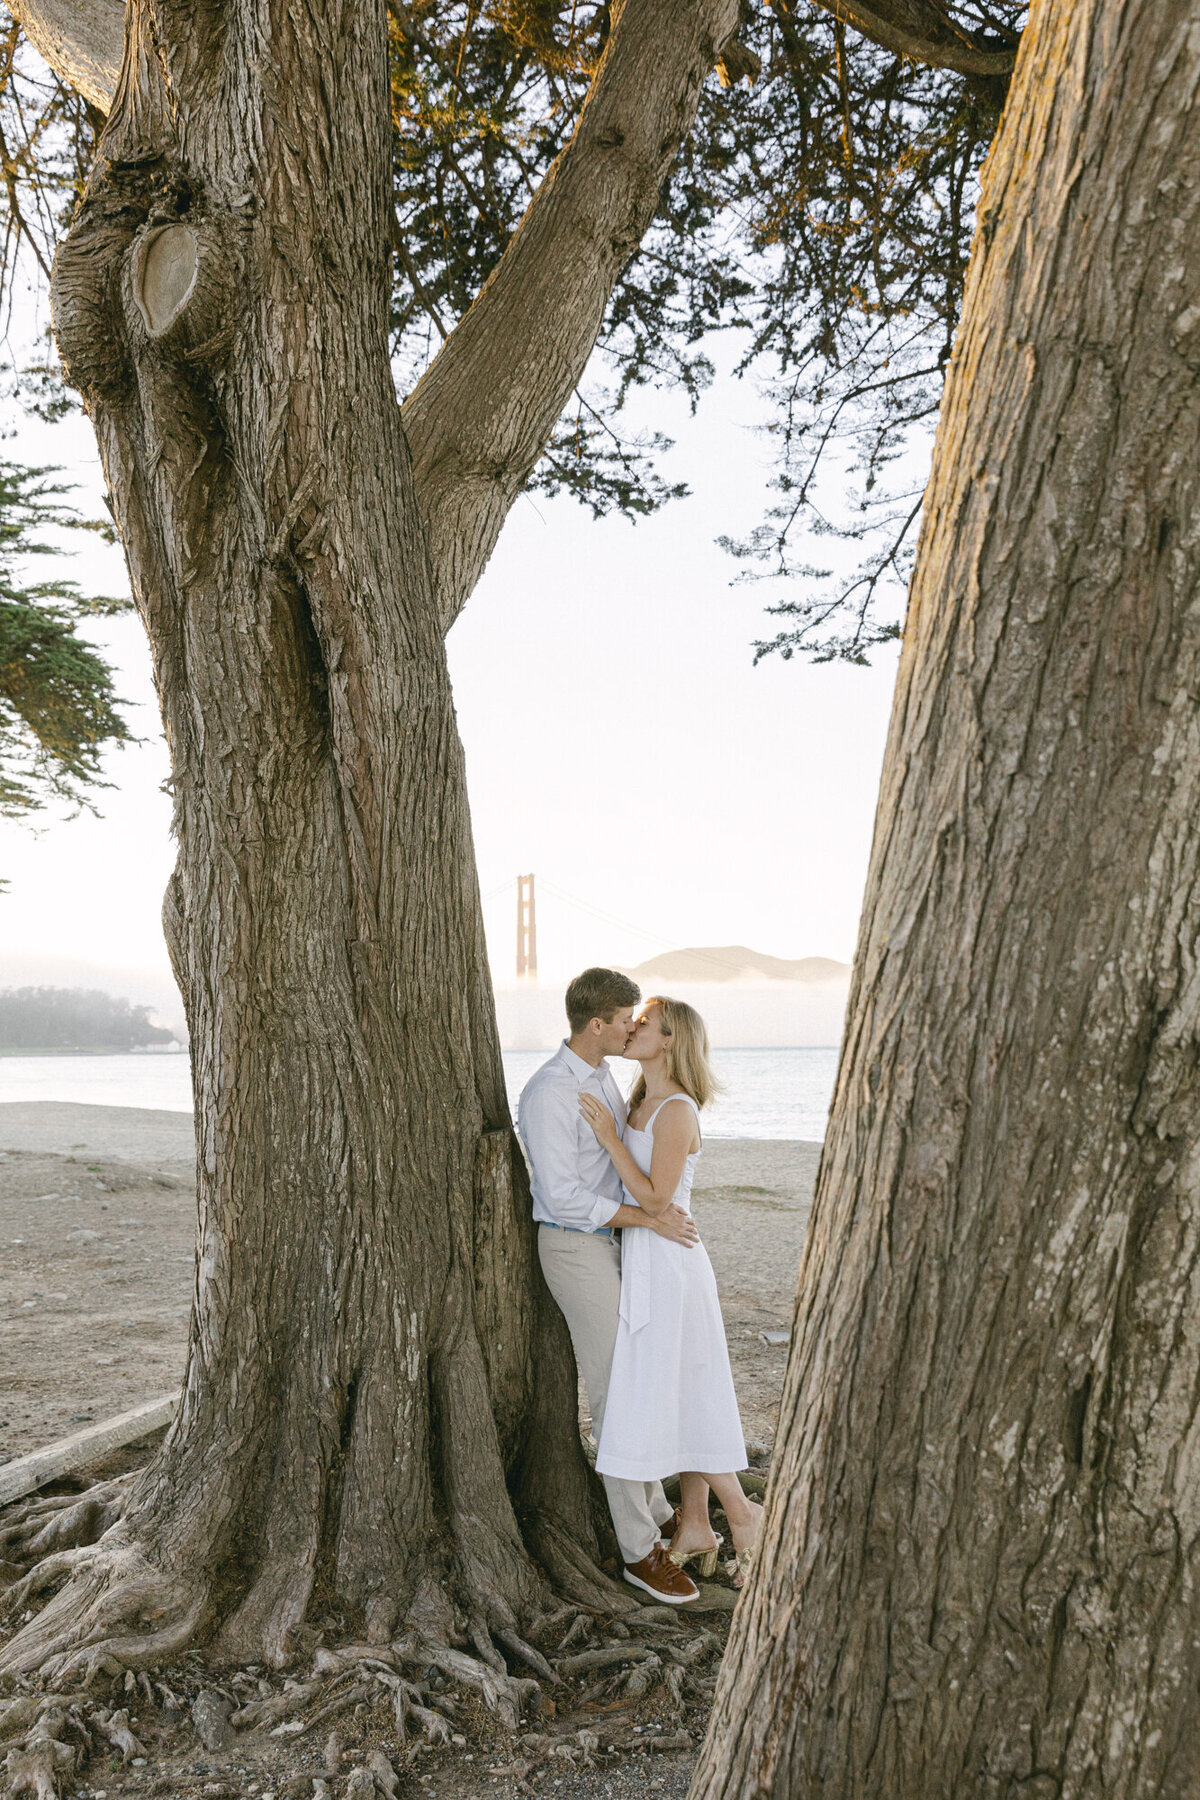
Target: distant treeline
pixel 47 1018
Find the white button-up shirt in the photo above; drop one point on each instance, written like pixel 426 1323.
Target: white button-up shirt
pixel 572 1178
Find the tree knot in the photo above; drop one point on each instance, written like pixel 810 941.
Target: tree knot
pixel 147 272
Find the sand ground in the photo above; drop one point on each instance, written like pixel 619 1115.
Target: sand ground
pixel 97 1225
pixel 97 1222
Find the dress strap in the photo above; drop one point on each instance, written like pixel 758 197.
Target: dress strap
pixel 667 1102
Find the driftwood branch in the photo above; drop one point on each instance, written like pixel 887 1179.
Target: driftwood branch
pixel 83 1448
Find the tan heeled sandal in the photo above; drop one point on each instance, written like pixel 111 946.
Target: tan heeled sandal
pixel 705 1560
pixel 738 1567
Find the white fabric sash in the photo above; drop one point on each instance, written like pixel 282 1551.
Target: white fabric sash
pixel 637 1276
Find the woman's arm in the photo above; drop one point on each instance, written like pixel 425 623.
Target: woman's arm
pixel 673 1223
pixel 674 1131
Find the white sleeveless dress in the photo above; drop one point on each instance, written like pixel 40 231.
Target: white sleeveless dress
pixel 671 1404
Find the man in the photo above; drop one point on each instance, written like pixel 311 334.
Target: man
pixel 579 1207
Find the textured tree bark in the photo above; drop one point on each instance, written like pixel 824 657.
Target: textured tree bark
pixel 980 1559
pixel 379 1405
pixel 80 39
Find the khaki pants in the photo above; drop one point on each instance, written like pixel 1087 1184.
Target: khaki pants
pixel 583 1272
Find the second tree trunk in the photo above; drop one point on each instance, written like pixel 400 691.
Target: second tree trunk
pixel 979 1566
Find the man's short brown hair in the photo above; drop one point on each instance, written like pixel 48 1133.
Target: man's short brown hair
pixel 599 994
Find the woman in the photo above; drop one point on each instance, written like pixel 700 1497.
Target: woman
pixel 671 1405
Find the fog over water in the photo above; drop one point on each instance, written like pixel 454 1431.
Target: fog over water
pixel 764 1015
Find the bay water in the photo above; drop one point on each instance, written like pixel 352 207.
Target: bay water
pixel 766 1093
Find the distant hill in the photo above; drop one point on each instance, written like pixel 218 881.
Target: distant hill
pixel 734 962
pixel 48 1018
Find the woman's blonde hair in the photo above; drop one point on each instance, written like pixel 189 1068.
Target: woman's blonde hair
pixel 686 1051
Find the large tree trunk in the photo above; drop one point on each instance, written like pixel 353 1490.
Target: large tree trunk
pixel 980 1562
pixel 323 918
pixel 379 1405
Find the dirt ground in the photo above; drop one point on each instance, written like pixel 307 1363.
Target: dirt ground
pixel 97 1217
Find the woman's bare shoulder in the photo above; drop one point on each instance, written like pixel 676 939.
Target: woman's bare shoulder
pixel 676 1124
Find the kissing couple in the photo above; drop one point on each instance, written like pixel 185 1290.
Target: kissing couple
pixel 623 1259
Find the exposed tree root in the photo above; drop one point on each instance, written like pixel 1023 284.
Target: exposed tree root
pixel 527 1654
pixel 421 1676
pixel 43 1524
pixel 116 1729
pixel 269 1711
pixel 38 1769
pixel 43 1575
pixel 88 1623
pixel 502 1694
pixel 573 1573
pixel 50 1751
pixel 116 1619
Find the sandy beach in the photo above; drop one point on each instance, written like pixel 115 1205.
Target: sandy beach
pixel 97 1222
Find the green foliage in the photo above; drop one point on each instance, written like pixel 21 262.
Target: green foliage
pixel 823 213
pixel 58 711
pixel 862 195
pixel 47 141
pixel 47 1018
pixel 483 99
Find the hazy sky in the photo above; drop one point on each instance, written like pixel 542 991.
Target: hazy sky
pixel 620 743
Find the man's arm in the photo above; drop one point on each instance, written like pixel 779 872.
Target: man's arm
pixel 653 1190
pixel 548 1126
pixel 673 1223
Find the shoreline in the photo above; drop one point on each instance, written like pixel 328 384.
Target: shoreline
pixel 782 1094
pixel 60 1052
pixel 145 1134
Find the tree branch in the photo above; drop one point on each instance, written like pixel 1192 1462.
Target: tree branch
pixel 924 30
pixel 485 409
pixel 82 40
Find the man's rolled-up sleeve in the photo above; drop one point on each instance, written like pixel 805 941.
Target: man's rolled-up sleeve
pixel 548 1123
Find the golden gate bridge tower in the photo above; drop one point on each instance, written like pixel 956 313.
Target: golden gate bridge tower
pixel 526 929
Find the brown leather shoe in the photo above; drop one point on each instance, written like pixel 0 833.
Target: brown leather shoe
pixel 671 1528
pixel 656 1574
